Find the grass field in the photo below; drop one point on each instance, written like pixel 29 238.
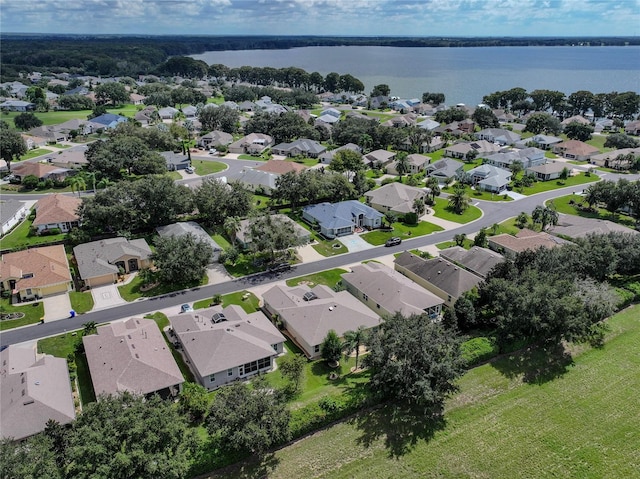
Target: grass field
pixel 541 186
pixel 518 417
pixel 442 210
pixel 55 117
pixel 403 231
pixel 206 167
pixel 328 278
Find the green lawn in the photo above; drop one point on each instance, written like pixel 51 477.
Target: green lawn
pixel 448 244
pixel 598 141
pixel 441 210
pixel 308 162
pixel 401 230
pixel 563 205
pixel 58 116
pixel 261 201
pixel 34 153
pixel 329 278
pixel 174 175
pixel 471 164
pixel 249 157
pixel 33 313
pixel 81 302
pixel 517 417
pixel 326 247
pixel 481 195
pixel 542 186
pixel 21 237
pixel 208 167
pixel 249 303
pixel 131 291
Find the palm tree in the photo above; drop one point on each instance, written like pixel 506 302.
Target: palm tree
pixel 516 167
pixel 104 183
pixel 402 164
pixel 545 215
pixel 353 340
pixel 459 200
pixel 232 226
pixel 434 185
pixel 90 176
pixel 366 141
pixel 77 183
pixel 459 239
pixel 522 220
pixel 419 207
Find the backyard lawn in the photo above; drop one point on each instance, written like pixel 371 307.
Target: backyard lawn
pixel 329 278
pixel 21 237
pixel 441 210
pixel 520 416
pixel 208 167
pixel 401 230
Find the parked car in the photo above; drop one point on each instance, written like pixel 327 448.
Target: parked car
pixel 393 241
pixel 185 308
pixel 189 169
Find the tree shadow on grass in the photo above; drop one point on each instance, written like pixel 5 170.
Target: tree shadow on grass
pixel 535 364
pixel 401 427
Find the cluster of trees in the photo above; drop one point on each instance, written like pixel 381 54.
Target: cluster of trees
pixel 217 200
pixel 614 196
pixel 123 436
pixel 312 186
pixel 161 95
pixel 282 127
pixel 296 98
pixel 124 154
pixel 219 118
pixel 620 140
pixel 12 145
pixel 291 77
pixel 111 92
pixel 621 105
pixel 368 133
pixel 181 260
pixel 550 295
pixel 75 102
pixel 27 121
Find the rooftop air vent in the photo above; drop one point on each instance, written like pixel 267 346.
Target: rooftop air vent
pixel 309 296
pixel 218 318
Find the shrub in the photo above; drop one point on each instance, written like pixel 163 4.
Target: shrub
pixel 411 218
pixel 479 349
pixel 386 181
pixel 625 296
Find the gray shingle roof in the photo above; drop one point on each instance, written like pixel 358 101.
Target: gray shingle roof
pixel 340 215
pixel 98 257
pixel 477 260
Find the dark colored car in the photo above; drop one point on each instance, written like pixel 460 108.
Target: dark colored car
pixel 393 241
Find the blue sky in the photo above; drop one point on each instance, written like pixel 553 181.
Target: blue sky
pixel 325 17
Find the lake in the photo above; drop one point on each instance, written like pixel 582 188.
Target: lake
pixel 464 75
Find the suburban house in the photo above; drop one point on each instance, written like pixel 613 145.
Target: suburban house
pixel 215 138
pixel 253 144
pixel 527 156
pixel 12 212
pixel 300 147
pixel 481 147
pixel 247 106
pixel 71 158
pixel 331 111
pixel 81 127
pixel 444 169
pixel 548 171
pixel 545 142
pixel 632 128
pixel 100 262
pixel 489 178
pixel 327 157
pixel 243 235
pixel 175 161
pixel 168 112
pixel 387 292
pixel 443 278
pixel 136 99
pixel 402 121
pixel 147 116
pixel 189 111
pixel 572 226
pixel 339 219
pixel 57 211
pixel 131 356
pixel 415 162
pixel 603 124
pixel 479 261
pixel 256 180
pixel 428 124
pixel 42 171
pixel 610 158
pixel 308 314
pixel 34 388
pixel 575 119
pixel 279 167
pixel 575 150
pixel 379 158
pixel 191 227
pixel 35 273
pixel 396 197
pixel 17 105
pixel 526 239
pixel 498 135
pixel 109 120
pixel 33 142
pixel 49 132
pixel 226 344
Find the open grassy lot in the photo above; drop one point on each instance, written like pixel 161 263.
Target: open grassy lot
pixel 541 186
pixel 55 117
pixel 404 231
pixel 518 417
pixel 206 167
pixel 329 278
pixel 441 210
pixel 33 312
pixel 563 205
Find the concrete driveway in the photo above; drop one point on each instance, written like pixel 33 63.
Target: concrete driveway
pixel 217 274
pixel 106 297
pixel 354 243
pixel 56 307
